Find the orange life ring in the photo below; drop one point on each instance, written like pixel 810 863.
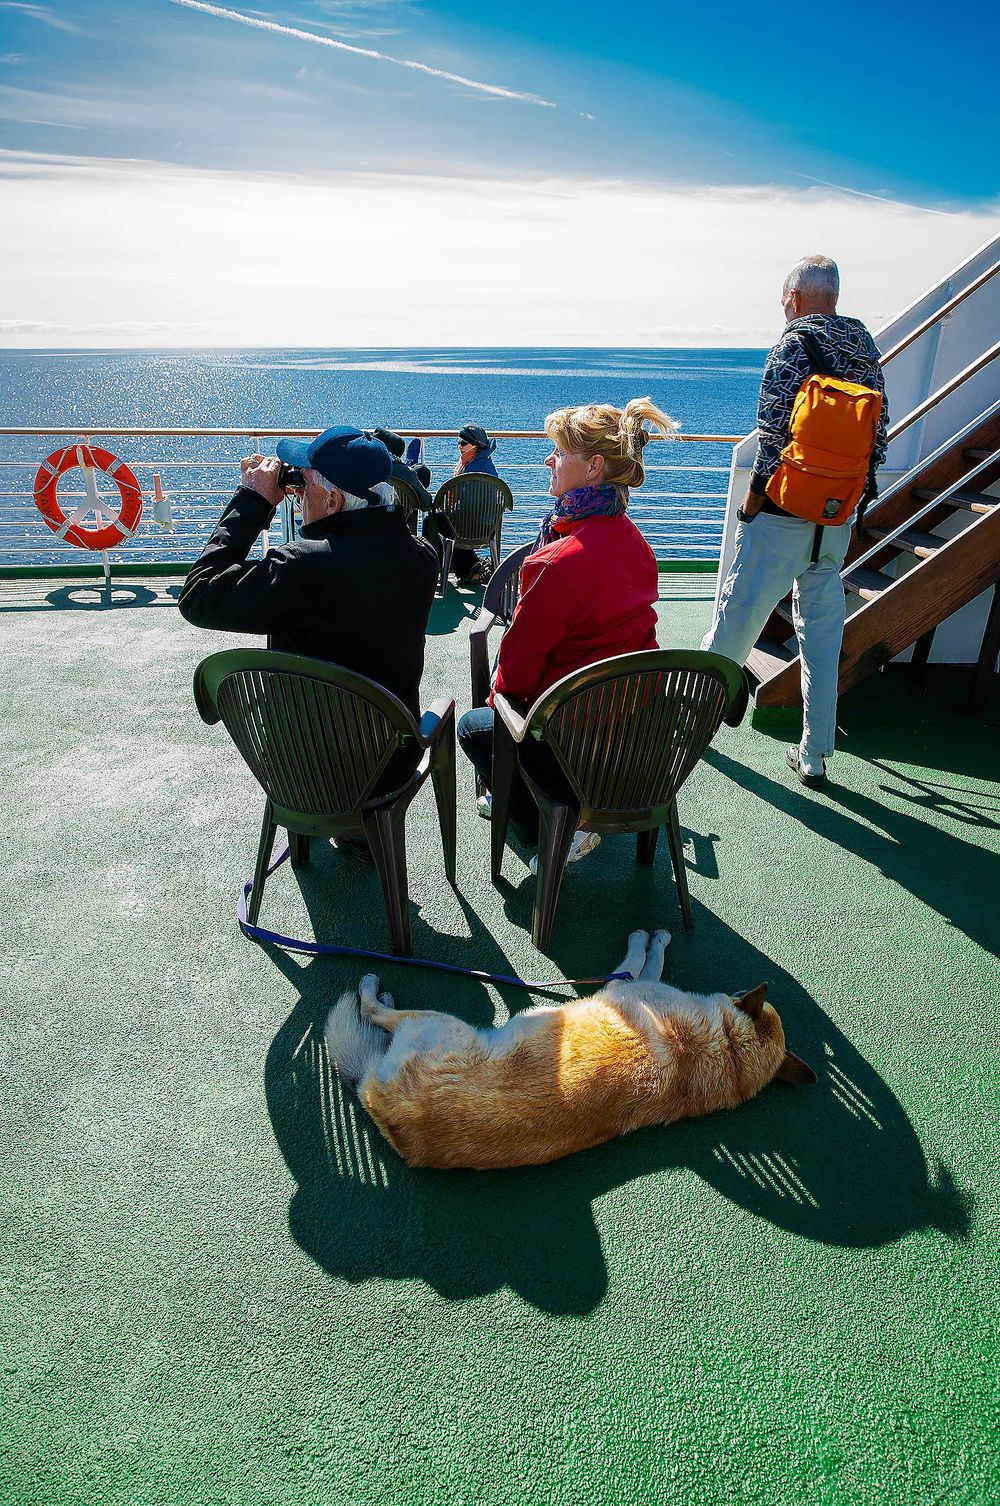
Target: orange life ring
pixel 70 528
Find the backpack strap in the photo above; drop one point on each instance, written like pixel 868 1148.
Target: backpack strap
pixel 820 367
pixel 819 362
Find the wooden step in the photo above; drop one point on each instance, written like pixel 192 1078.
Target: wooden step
pixel 977 454
pixel 921 544
pixel 768 658
pixel 784 611
pixel 867 583
pixel 971 501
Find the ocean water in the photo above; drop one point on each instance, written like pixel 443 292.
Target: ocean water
pixel 266 392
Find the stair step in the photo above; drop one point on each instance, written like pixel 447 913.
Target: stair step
pixel 867 583
pixel 768 657
pixel 784 611
pixel 921 544
pixel 971 501
pixel 977 454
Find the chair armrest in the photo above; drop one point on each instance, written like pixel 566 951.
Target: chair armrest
pixel 435 719
pixel 514 720
pixel 479 653
pixel 204 699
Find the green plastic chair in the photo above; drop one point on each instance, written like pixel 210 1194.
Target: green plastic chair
pixel 626 733
pixel 497 609
pixel 474 505
pixel 322 742
pixel 408 499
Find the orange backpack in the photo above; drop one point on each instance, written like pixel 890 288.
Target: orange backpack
pixel 831 435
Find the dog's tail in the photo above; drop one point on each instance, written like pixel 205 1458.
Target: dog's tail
pixel 353 1044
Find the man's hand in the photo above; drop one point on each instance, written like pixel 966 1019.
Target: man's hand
pixel 260 474
pixel 752 504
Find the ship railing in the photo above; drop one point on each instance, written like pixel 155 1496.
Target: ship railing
pixel 965 482
pixel 939 315
pixel 186 474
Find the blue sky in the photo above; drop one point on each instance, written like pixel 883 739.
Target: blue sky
pixel 728 93
pixel 688 101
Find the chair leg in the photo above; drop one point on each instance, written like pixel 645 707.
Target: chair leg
pixel 503 776
pixel 267 831
pixel 680 871
pixel 446 798
pixel 556 825
pixel 447 550
pixel 384 829
pixel 645 846
pixel 298 848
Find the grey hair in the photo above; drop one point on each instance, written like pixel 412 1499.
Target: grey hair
pixel 382 489
pixel 816 276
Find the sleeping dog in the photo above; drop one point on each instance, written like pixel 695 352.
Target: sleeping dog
pixel 554 1080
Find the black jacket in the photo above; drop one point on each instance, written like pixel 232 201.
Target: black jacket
pixel 355 589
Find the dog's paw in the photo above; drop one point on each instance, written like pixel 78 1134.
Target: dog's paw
pixel 638 938
pixel 386 1001
pixel 368 993
pixel 661 938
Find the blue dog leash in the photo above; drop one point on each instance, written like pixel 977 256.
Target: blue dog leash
pixel 328 949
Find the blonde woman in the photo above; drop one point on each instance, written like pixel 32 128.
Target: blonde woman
pixel 588 589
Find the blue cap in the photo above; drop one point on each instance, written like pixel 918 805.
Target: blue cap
pixel 347 458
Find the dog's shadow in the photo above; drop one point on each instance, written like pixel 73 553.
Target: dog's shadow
pixel 838 1163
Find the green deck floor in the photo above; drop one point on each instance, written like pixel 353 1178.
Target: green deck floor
pixel 221 1287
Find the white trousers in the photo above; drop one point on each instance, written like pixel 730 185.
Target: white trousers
pixel 773 555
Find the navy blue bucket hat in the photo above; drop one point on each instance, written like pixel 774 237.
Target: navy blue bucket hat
pixel 352 461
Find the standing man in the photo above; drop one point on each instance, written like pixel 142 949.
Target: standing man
pixel 776 551
pixel 355 588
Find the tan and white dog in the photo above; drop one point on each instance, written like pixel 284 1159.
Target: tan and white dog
pixel 553 1080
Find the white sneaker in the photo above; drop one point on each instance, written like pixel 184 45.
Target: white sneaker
pixel 811 775
pixel 484 805
pixel 583 842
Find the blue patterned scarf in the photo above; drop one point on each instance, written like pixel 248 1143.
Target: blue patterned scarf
pixel 582 502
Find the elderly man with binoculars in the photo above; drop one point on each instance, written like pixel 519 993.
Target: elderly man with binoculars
pixel 354 588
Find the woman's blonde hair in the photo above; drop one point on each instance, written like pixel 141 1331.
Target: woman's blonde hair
pixel 615 433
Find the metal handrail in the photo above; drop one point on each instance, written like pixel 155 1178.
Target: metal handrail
pixel 82 431
pixel 928 507
pixel 943 392
pixel 941 313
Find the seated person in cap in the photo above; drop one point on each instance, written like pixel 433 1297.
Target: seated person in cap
pixel 403 468
pixel 475 454
pixel 355 588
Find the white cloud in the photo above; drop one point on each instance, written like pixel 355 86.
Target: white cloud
pixel 364 52
pixel 99 252
pixel 41 13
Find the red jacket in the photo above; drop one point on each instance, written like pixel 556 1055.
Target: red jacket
pixel 584 597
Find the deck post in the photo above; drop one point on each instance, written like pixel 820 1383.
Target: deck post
pixel 986 663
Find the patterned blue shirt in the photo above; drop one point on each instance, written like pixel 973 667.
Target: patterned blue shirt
pixel 853 356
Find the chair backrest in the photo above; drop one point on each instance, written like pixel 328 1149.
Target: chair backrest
pixel 315 736
pixel 475 504
pixel 628 731
pixel 504 587
pixel 408 499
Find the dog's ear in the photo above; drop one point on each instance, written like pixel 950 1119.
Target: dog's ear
pixel 794 1069
pixel 752 1003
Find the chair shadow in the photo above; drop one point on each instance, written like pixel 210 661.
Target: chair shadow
pixel 922 858
pixel 838 1163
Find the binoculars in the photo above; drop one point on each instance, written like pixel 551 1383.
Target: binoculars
pixel 289 475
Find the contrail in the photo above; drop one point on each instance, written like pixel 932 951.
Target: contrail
pixel 879 198
pixel 363 52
